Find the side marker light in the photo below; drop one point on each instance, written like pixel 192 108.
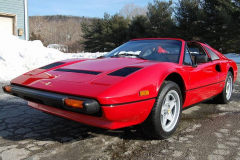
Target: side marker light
pixel 144 93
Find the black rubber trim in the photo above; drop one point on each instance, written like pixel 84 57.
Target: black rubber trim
pixel 124 71
pixel 117 104
pixel 78 71
pixel 52 65
pixel 204 86
pixel 90 106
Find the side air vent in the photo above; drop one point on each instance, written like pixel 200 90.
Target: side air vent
pixel 78 71
pixel 52 65
pixel 124 71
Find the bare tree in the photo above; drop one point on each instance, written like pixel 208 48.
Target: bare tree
pixel 37 24
pixel 58 30
pixel 132 10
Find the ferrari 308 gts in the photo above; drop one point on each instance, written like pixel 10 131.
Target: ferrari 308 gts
pixel 144 81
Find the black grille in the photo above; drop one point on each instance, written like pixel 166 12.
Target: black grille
pixel 52 65
pixel 78 71
pixel 124 71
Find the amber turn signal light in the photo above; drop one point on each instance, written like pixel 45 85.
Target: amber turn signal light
pixel 8 88
pixel 144 93
pixel 73 103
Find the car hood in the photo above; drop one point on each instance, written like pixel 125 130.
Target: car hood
pixel 89 70
pixel 96 71
pixel 95 78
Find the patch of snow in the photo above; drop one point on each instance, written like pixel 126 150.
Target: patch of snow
pixel 19 56
pixel 233 56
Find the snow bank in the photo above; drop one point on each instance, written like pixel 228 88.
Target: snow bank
pixel 233 56
pixel 19 56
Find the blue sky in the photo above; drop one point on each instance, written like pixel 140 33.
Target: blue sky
pixel 87 8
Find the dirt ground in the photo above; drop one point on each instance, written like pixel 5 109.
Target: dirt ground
pixel 206 131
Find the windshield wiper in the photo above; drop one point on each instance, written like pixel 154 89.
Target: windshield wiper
pixel 141 57
pixel 127 54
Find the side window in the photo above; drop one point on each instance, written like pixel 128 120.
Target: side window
pixel 195 49
pixel 198 54
pixel 212 54
pixel 187 57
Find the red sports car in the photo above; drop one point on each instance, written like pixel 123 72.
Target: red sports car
pixel 144 81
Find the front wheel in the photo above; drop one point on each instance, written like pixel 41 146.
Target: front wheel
pixel 165 115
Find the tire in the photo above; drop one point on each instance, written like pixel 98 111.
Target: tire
pixel 225 96
pixel 166 112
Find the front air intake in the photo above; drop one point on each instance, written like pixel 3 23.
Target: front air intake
pixel 78 71
pixel 124 71
pixel 52 65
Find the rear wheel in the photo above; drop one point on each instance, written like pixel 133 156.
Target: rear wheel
pixel 165 115
pixel 225 96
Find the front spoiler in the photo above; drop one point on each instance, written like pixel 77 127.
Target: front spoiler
pixel 113 117
pixel 90 106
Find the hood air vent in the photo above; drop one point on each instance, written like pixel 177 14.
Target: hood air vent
pixel 124 71
pixel 78 71
pixel 52 65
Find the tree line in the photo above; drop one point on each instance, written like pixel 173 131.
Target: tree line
pixel 58 29
pixel 216 22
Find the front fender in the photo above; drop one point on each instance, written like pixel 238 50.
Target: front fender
pixel 149 79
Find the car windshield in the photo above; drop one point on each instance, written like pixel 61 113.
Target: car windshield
pixel 156 50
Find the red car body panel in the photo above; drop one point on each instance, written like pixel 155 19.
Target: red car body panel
pixel 113 116
pixel 119 98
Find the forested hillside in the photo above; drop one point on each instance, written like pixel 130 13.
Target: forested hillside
pixel 216 22
pixel 58 29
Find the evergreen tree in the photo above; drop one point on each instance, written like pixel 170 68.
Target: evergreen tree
pixel 139 28
pixel 94 35
pixel 160 16
pixel 186 14
pixel 105 34
pixel 118 30
pixel 234 40
pixel 216 24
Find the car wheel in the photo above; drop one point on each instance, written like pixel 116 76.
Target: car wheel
pixel 166 112
pixel 225 96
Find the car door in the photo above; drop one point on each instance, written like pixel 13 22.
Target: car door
pixel 203 77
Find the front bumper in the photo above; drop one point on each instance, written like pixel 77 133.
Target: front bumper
pixel 109 117
pixel 90 106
